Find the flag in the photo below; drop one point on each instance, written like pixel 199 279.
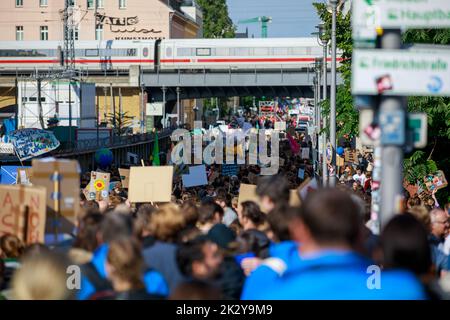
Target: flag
pixel 155 154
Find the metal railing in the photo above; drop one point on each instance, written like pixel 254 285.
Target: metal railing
pixel 113 142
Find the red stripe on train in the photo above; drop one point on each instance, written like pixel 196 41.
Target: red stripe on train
pixel 77 61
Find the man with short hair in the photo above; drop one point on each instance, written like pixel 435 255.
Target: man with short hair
pixel 439 228
pixel 328 227
pixel 209 214
pixel 273 191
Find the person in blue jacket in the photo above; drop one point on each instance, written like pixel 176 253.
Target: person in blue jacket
pixel 328 226
pixel 94 276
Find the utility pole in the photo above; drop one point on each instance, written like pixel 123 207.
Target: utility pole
pixel 391 155
pixel 332 180
pixel 178 107
pixel 164 89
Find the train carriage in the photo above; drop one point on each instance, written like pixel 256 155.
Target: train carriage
pixel 238 54
pixel 91 55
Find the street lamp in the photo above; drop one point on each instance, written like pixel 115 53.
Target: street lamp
pixel 333 4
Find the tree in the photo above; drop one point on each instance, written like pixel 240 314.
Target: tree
pixel 420 162
pixel 435 156
pixel 216 21
pixel 346 116
pixel 121 122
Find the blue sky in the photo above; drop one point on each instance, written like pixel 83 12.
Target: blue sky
pixel 290 18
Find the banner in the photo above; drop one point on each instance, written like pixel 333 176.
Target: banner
pixel 32 142
pixel 435 181
pixel 22 212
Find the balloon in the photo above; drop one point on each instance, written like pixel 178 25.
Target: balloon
pixel 103 157
pixel 340 151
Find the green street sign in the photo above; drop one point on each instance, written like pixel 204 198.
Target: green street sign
pixel 417 123
pixel 413 72
pixel 368 15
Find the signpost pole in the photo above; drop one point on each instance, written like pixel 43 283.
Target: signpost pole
pixel 391 154
pixel 332 178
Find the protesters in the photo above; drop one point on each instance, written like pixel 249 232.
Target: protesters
pixel 250 217
pixel 328 226
pixel 272 191
pixel 439 227
pixel 165 224
pixel 124 267
pixel 209 214
pixel 359 176
pixel 229 216
pixel 94 275
pixel 42 277
pixel 86 241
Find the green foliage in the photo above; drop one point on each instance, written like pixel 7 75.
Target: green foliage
pixel 346 116
pixel 216 21
pixel 121 122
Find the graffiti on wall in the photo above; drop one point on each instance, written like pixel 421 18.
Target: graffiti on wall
pixel 122 25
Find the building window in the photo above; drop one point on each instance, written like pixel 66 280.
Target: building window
pixel 76 34
pixel 19 3
pixel 99 32
pixel 43 3
pixel 19 33
pixel 44 33
pixel 100 4
pixel 122 4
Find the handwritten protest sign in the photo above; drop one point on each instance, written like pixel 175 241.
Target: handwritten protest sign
pixel 98 188
pixel 230 169
pixel 435 181
pixel 31 142
pixel 124 177
pixel 22 212
pixel 196 177
pixel 350 156
pixel 150 184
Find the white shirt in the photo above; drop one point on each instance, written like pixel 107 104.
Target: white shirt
pixel 361 178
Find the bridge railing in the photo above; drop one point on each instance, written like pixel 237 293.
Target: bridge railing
pixel 111 142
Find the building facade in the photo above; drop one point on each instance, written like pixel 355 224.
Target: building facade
pixel 42 20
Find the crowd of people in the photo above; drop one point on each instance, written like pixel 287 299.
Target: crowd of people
pixel 205 244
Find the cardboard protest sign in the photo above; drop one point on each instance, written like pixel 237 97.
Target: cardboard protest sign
pixel 150 184
pixel 435 181
pixel 124 177
pixel 305 153
pixel 340 161
pixel 350 156
pixel 196 177
pixel 280 125
pixel 31 142
pixel 247 192
pixel 61 178
pixel 230 169
pixel 24 176
pixel 22 212
pixel 98 188
pixel 8 174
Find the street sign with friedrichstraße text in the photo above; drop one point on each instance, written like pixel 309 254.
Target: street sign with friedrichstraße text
pixel 401 72
pixel 368 15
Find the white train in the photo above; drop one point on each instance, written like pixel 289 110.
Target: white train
pixel 173 54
